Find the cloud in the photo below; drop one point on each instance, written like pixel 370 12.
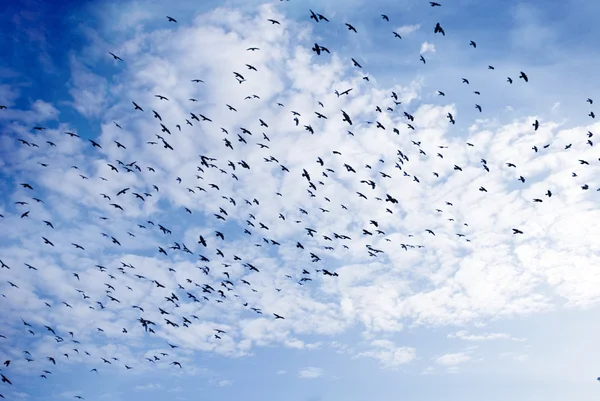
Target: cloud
pixel 473 269
pixel 514 356
pixel 87 89
pixel 529 31
pixel 8 94
pixel 407 29
pixel 464 335
pixel 428 370
pixel 149 387
pixel 310 373
pixel 453 369
pixel 427 47
pixel 453 359
pixel 390 355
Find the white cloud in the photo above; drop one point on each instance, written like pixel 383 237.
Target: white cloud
pixel 149 387
pixel 514 356
pixel 310 373
pixel 390 355
pixel 464 335
pixel 453 369
pixel 453 359
pixel 8 94
pixel 428 370
pixel 447 281
pixel 87 89
pixel 407 29
pixel 427 47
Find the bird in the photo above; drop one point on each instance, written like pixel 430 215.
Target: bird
pixel 316 176
pixel 317 17
pixel 115 56
pixel 524 76
pixel 438 29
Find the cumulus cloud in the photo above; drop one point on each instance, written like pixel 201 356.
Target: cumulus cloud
pixel 427 47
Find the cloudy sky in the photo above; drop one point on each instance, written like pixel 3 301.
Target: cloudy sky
pixel 441 246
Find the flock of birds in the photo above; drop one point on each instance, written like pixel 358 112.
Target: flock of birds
pixel 225 284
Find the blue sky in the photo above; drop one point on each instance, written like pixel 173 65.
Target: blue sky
pixel 498 316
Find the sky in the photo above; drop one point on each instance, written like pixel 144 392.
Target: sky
pixel 408 257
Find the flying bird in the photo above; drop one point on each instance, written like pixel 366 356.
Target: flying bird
pixel 524 76
pixel 115 56
pixel 438 29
